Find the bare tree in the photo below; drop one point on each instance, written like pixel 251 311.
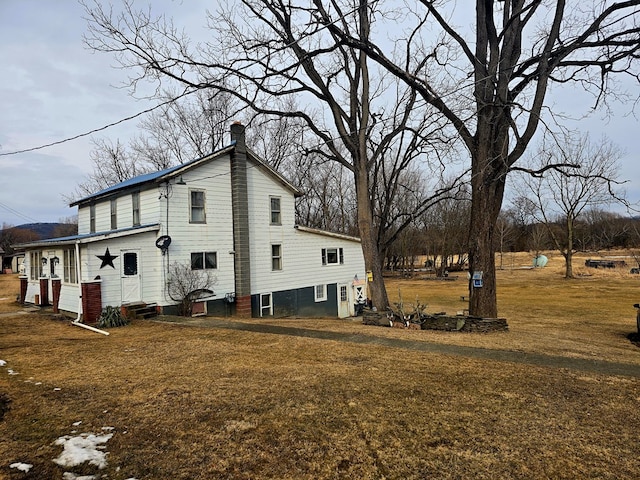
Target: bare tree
pixel 266 52
pixel 493 81
pixel 505 230
pixel 562 196
pixel 186 285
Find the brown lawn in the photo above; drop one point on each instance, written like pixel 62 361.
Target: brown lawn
pixel 206 403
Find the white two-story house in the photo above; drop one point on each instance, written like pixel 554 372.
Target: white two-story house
pixel 229 213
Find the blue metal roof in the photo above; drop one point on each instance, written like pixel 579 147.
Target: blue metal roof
pixel 146 177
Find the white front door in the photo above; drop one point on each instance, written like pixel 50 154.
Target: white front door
pixel 130 277
pixel 344 301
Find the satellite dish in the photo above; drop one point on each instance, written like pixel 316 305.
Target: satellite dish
pixel 540 261
pixel 163 243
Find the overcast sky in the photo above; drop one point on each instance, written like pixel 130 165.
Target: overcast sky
pixel 53 88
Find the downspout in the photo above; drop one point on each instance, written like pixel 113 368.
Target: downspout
pixel 79 280
pixel 76 322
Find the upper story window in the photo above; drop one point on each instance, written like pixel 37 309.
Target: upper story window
pixel 92 218
pixel 276 217
pixel 114 213
pixel 332 256
pixel 135 208
pixel 196 206
pixel 276 257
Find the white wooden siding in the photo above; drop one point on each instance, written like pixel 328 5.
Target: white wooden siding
pixel 216 235
pixel 301 251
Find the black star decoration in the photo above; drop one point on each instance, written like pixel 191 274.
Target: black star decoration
pixel 107 259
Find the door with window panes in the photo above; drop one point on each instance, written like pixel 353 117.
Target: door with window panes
pixel 344 301
pixel 130 276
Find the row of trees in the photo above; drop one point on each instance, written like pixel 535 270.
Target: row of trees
pixel 388 91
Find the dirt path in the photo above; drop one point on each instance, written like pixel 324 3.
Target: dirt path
pixel 541 360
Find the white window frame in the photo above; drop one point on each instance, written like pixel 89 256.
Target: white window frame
pixel 113 205
pixel 135 208
pixel 35 265
pixel 275 217
pixel 339 256
pixel 92 218
pixel 70 268
pixel 276 257
pixel 343 289
pixel 320 293
pixel 204 260
pixel 268 307
pixel 199 207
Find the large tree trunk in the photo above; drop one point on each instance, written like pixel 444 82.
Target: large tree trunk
pixel 485 207
pixel 368 237
pixel 489 160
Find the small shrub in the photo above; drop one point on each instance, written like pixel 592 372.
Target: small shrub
pixel 112 317
pixel 4 404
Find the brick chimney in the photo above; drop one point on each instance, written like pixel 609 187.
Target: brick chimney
pixel 240 208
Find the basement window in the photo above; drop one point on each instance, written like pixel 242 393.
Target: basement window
pixel 266 305
pixel 320 293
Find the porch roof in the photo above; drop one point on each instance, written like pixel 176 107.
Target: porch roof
pixel 89 237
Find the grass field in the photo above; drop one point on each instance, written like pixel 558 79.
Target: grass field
pixel 185 402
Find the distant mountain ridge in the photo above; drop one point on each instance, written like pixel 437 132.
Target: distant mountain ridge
pixel 43 230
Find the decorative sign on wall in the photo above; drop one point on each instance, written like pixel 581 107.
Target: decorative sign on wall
pixel 107 259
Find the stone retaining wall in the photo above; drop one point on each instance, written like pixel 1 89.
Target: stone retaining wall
pixel 450 323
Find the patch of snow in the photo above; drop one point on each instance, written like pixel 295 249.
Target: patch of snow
pixel 38 383
pixel 81 449
pixel 11 372
pixel 107 429
pixel 2 363
pixel 75 424
pixel 73 476
pixel 23 467
pixel 57 389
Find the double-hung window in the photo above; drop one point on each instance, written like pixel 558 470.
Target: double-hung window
pixel 276 257
pixel 92 218
pixel 135 208
pixel 320 293
pixel 196 206
pixel 204 260
pixel 114 213
pixel 266 305
pixel 332 256
pixel 276 216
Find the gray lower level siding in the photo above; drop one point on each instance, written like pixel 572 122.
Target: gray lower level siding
pixel 300 302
